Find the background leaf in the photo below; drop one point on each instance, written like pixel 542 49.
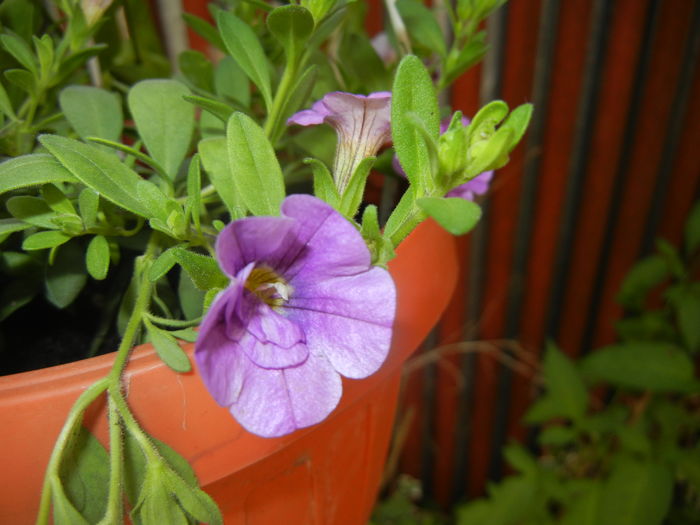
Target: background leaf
pixel 164 120
pixel 256 166
pixel 244 47
pixel 93 112
pixel 640 365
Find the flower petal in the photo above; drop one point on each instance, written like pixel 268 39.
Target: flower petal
pixel 272 341
pixel 256 239
pixel 221 362
pixel 285 400
pixel 332 246
pixel 349 319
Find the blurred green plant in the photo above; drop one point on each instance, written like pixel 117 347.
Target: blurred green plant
pixel 619 431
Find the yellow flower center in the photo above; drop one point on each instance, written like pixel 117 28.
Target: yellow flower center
pixel 268 285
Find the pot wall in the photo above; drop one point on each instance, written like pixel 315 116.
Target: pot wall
pixel 326 474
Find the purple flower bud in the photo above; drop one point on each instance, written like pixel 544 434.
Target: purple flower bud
pixel 363 125
pixel 304 307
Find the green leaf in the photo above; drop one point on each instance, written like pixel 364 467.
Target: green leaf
pixel 191 298
pixel 585 504
pixel 45 52
pixel 32 170
pixel 218 109
pixel 352 196
pixel 85 475
pixel 202 269
pixel 458 216
pixel 484 123
pixel 644 275
pixel 692 230
pixel 292 26
pixel 135 465
pixel 168 348
pixel 21 78
pixel 636 493
pixel 57 200
pixel 196 502
pixel 422 25
pixel 32 210
pixel 89 204
pixel 8 226
pixel 659 367
pixel 198 69
pixel 564 384
pixel 244 47
pixel 43 240
pixel 194 190
pixel 93 112
pixel 557 436
pixel 324 186
pixel 97 257
pixel 186 334
pixel 517 122
pixel 6 105
pixel 19 49
pixel 231 81
pixel 162 265
pixel 413 93
pixel 164 120
pixel 362 65
pixel 155 200
pixel 205 30
pixel 687 308
pixel 101 171
pixel 66 277
pixel 215 160
pixel 258 175
pixel 64 513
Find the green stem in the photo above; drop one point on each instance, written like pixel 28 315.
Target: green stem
pixel 132 426
pixel 412 219
pixel 70 428
pixel 281 96
pixel 115 509
pixel 174 323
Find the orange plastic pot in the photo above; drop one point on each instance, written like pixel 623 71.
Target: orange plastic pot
pixel 326 474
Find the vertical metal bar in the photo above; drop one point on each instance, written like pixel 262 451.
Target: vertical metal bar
pixel 587 110
pixel 675 128
pixel 633 113
pixel 546 44
pixel 491 81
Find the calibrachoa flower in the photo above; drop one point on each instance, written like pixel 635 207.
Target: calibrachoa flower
pixel 363 125
pixel 303 308
pixel 470 189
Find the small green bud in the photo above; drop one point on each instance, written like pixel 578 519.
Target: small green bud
pixel 452 152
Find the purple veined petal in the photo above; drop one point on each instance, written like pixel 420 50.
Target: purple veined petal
pixel 310 117
pixel 281 401
pixel 272 341
pixel 332 245
pixel 256 239
pixel 220 361
pixel 349 319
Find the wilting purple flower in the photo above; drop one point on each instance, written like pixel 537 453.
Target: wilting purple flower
pixel 470 189
pixel 304 307
pixel 363 125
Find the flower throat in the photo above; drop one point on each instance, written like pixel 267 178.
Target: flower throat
pixel 268 285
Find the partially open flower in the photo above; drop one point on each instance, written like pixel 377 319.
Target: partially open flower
pixel 363 125
pixel 303 308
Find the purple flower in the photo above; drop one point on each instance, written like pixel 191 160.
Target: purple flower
pixel 363 125
pixel 470 189
pixel 304 307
